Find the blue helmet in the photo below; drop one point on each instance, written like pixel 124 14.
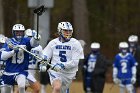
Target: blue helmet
pixel 18 31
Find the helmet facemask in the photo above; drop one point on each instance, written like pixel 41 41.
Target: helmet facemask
pixel 123 46
pixel 18 31
pixel 66 34
pixel 65 30
pixel 123 50
pixel 18 34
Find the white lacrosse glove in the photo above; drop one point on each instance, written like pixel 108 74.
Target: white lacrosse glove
pixel 36 37
pixel 133 80
pixel 42 68
pixel 116 81
pixel 58 67
pixel 11 44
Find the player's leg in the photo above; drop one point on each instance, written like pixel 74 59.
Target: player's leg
pixel 55 80
pixel 35 86
pixel 97 84
pixel 33 83
pixel 66 82
pixel 56 85
pixel 6 89
pixel 130 88
pixel 122 89
pixel 21 79
pixel 67 91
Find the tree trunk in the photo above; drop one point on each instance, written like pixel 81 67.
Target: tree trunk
pixel 81 27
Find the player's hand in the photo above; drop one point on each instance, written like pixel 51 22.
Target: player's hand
pixel 42 68
pixel 44 60
pixel 58 67
pixel 36 37
pixel 116 81
pixel 133 80
pixel 11 44
pixel 18 48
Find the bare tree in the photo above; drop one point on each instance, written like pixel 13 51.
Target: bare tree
pixel 81 26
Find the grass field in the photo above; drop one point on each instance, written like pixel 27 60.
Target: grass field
pixel 77 87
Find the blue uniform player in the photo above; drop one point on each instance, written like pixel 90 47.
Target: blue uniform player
pixel 17 59
pixel 124 69
pixel 2 63
pixel 94 70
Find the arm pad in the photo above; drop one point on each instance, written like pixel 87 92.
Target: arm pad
pixel 134 70
pixel 115 72
pixel 6 54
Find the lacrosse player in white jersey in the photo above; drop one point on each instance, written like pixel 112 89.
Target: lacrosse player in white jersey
pixel 34 84
pixel 64 53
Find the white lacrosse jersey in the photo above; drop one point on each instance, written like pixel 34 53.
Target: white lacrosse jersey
pixel 61 52
pixel 32 60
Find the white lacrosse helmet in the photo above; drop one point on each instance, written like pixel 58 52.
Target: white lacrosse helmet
pixel 18 27
pixel 65 30
pixel 95 45
pixel 133 38
pixel 123 45
pixel 18 31
pixel 2 38
pixel 28 33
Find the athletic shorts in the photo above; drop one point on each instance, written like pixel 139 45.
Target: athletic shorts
pixel 30 79
pixel 62 77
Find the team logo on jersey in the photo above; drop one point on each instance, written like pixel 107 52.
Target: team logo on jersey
pixel 63 47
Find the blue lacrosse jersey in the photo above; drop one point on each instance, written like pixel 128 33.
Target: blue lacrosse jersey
pixel 124 65
pixel 20 60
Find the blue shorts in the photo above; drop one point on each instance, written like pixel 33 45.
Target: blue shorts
pixel 10 79
pixel 126 82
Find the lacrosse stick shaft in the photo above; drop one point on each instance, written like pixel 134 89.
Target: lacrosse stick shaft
pixel 34 55
pixel 37 25
pixel 33 69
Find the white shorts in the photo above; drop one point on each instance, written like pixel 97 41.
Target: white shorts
pixel 30 79
pixel 66 81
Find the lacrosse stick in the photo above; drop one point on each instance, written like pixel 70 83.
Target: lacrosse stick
pixel 39 11
pixel 9 42
pixel 42 61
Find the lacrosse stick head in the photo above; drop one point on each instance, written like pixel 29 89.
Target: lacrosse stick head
pixel 40 10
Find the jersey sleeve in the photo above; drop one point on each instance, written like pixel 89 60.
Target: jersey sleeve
pixel 77 52
pixel 47 51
